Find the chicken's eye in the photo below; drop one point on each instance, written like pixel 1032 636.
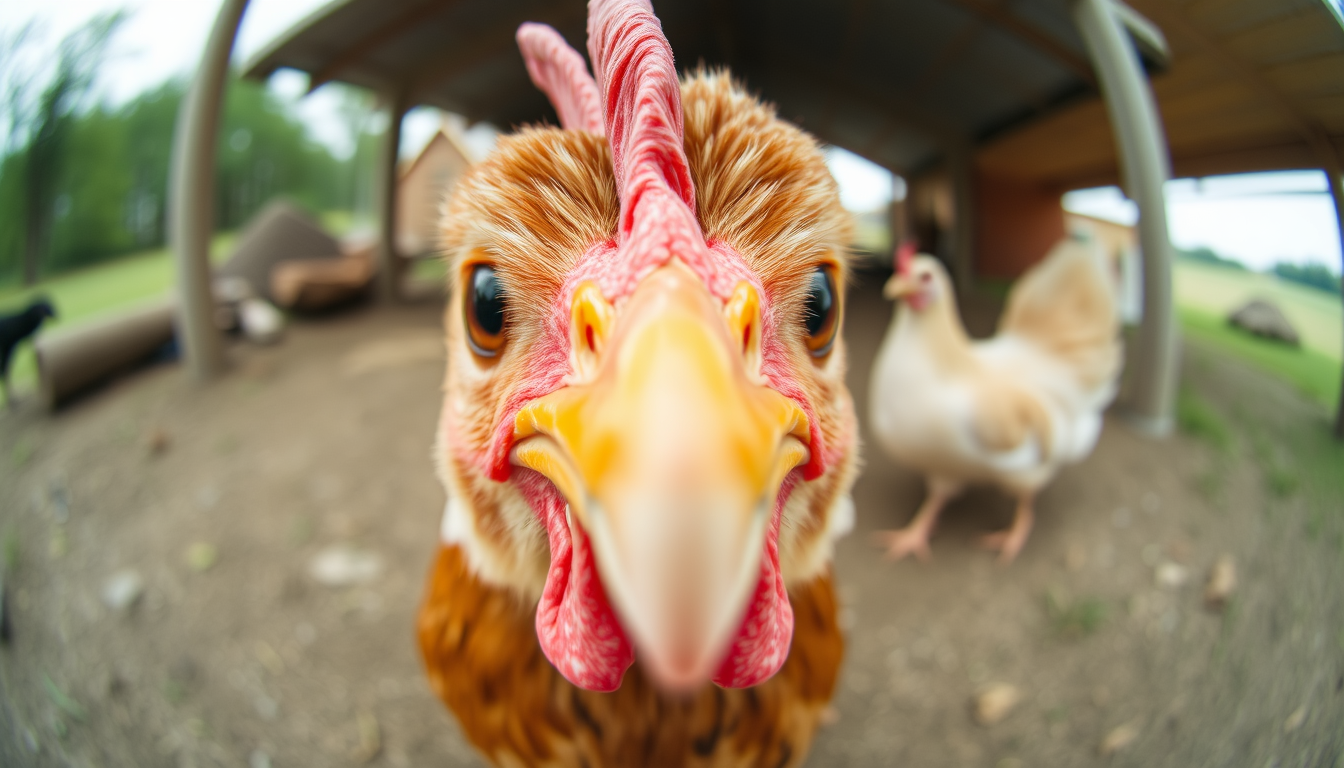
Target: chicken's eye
pixel 821 312
pixel 485 311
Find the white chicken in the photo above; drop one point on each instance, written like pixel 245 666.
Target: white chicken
pixel 1008 411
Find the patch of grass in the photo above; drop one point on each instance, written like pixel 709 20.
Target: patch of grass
pixel 63 701
pixel 1199 420
pixel 11 551
pixel 22 451
pixel 1314 374
pixel 429 271
pixel 97 290
pixel 1216 292
pixel 1280 481
pixel 1074 618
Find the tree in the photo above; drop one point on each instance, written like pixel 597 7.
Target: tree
pixel 42 124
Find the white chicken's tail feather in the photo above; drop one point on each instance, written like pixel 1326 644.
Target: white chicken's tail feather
pixel 1067 305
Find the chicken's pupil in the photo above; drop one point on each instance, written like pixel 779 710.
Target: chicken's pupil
pixel 487 300
pixel 820 299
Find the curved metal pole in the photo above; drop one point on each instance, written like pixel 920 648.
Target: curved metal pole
pixel 1145 167
pixel 1333 173
pixel 191 202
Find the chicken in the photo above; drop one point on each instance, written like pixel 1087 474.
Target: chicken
pixel 1008 411
pixel 646 438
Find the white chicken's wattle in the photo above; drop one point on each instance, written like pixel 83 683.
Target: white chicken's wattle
pixel 1008 411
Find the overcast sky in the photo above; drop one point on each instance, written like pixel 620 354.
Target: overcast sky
pixel 1258 220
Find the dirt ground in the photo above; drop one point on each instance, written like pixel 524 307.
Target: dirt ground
pixel 220 499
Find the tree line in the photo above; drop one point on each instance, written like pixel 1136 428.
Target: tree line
pixel 1310 274
pixel 84 182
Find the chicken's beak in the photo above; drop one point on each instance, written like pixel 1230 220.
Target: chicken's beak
pixel 900 286
pixel 671 452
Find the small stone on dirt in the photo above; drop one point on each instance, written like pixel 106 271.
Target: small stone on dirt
pixel 370 738
pixel 343 566
pixel 202 556
pixel 1118 739
pixel 995 702
pixel 259 759
pixel 122 589
pixel 1295 720
pixel 266 707
pixel 1171 575
pixel 156 442
pixel 1222 583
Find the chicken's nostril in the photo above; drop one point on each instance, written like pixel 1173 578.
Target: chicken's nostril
pixel 592 344
pixel 746 338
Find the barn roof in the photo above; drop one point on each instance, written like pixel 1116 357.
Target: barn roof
pixel 1249 84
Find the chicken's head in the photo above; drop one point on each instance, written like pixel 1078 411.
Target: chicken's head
pixel 646 429
pixel 918 279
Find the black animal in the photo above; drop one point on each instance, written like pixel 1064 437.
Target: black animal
pixel 14 329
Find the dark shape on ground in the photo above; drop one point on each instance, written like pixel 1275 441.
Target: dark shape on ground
pixel 280 232
pixel 13 330
pixel 1263 318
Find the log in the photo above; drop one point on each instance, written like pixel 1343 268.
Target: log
pixel 71 360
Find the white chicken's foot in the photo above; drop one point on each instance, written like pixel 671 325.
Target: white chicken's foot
pixel 1009 542
pixel 913 539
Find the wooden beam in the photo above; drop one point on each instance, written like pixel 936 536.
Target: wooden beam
pixel 899 106
pixel 488 42
pixel 1000 16
pixel 376 39
pixel 1252 77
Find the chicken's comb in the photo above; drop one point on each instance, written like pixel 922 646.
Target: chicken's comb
pixel 905 256
pixel 641 103
pixel 560 72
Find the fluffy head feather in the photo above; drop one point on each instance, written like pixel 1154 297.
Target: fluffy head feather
pixel 738 196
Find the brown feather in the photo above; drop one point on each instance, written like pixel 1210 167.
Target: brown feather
pixel 483 660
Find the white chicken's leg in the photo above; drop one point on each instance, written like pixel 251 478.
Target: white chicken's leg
pixel 1009 542
pixel 914 538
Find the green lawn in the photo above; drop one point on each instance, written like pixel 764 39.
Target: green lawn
pixel 96 290
pixel 1213 290
pixel 1315 374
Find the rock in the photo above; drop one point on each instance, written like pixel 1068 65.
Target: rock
pixel 259 759
pixel 1222 583
pixel 995 702
pixel 156 442
pixel 1118 739
pixel 59 494
pixel 202 556
pixel 343 566
pixel 262 323
pixel 1170 575
pixel 1264 318
pixel 370 738
pixel 267 708
pixel 1295 720
pixel 122 589
pixel 278 233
